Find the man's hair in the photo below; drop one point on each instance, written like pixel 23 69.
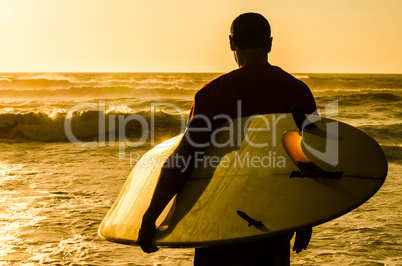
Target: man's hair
pixel 250 30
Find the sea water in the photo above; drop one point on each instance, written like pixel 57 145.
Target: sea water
pixel 55 187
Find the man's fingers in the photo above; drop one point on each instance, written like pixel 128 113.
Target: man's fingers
pixel 302 240
pixel 298 248
pixel 145 236
pixel 148 248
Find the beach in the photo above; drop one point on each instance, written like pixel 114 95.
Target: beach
pixel 57 187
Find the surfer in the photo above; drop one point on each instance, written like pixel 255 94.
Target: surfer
pixel 260 88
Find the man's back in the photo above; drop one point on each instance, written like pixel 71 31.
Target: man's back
pixel 249 90
pixel 252 90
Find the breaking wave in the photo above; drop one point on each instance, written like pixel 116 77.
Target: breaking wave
pixel 97 92
pixel 88 126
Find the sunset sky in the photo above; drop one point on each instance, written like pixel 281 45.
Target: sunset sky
pixel 310 36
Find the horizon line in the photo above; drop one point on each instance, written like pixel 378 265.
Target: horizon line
pixel 183 72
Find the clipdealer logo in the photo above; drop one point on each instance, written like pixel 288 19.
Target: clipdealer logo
pixel 117 123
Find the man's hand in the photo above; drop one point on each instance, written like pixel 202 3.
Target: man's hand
pixel 146 235
pixel 302 240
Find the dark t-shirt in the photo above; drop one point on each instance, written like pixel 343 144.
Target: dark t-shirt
pixel 249 90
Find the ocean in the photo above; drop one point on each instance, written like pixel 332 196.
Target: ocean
pixel 55 187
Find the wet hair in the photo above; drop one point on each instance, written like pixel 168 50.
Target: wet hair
pixel 251 30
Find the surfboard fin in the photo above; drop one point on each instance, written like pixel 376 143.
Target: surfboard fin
pixel 251 221
pixel 324 175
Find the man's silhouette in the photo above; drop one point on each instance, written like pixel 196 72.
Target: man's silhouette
pixel 261 89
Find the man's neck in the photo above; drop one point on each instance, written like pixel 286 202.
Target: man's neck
pixel 251 56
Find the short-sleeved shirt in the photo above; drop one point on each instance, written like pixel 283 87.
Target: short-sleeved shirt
pixel 254 89
pixel 257 89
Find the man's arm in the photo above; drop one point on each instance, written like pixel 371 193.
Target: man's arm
pixel 170 182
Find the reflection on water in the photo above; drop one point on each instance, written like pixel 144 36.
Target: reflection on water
pixel 54 194
pixel 50 214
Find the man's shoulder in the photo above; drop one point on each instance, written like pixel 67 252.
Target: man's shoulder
pixel 214 83
pixel 257 69
pixel 274 74
pixel 221 78
pixel 229 76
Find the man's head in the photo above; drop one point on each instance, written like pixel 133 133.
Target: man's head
pixel 251 31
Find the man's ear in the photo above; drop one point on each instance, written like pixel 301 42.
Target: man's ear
pixel 232 43
pixel 269 46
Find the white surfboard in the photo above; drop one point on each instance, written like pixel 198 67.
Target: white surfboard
pixel 253 190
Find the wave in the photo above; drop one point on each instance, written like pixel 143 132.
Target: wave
pixel 362 98
pixel 45 81
pixel 353 81
pixel 98 92
pixel 12 83
pixel 121 125
pixel 385 134
pixel 187 80
pixel 393 153
pixel 346 91
pixel 89 125
pixel 301 76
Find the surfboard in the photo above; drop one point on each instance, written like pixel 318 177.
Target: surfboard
pixel 265 175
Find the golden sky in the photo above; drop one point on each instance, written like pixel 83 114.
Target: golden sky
pixel 310 36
